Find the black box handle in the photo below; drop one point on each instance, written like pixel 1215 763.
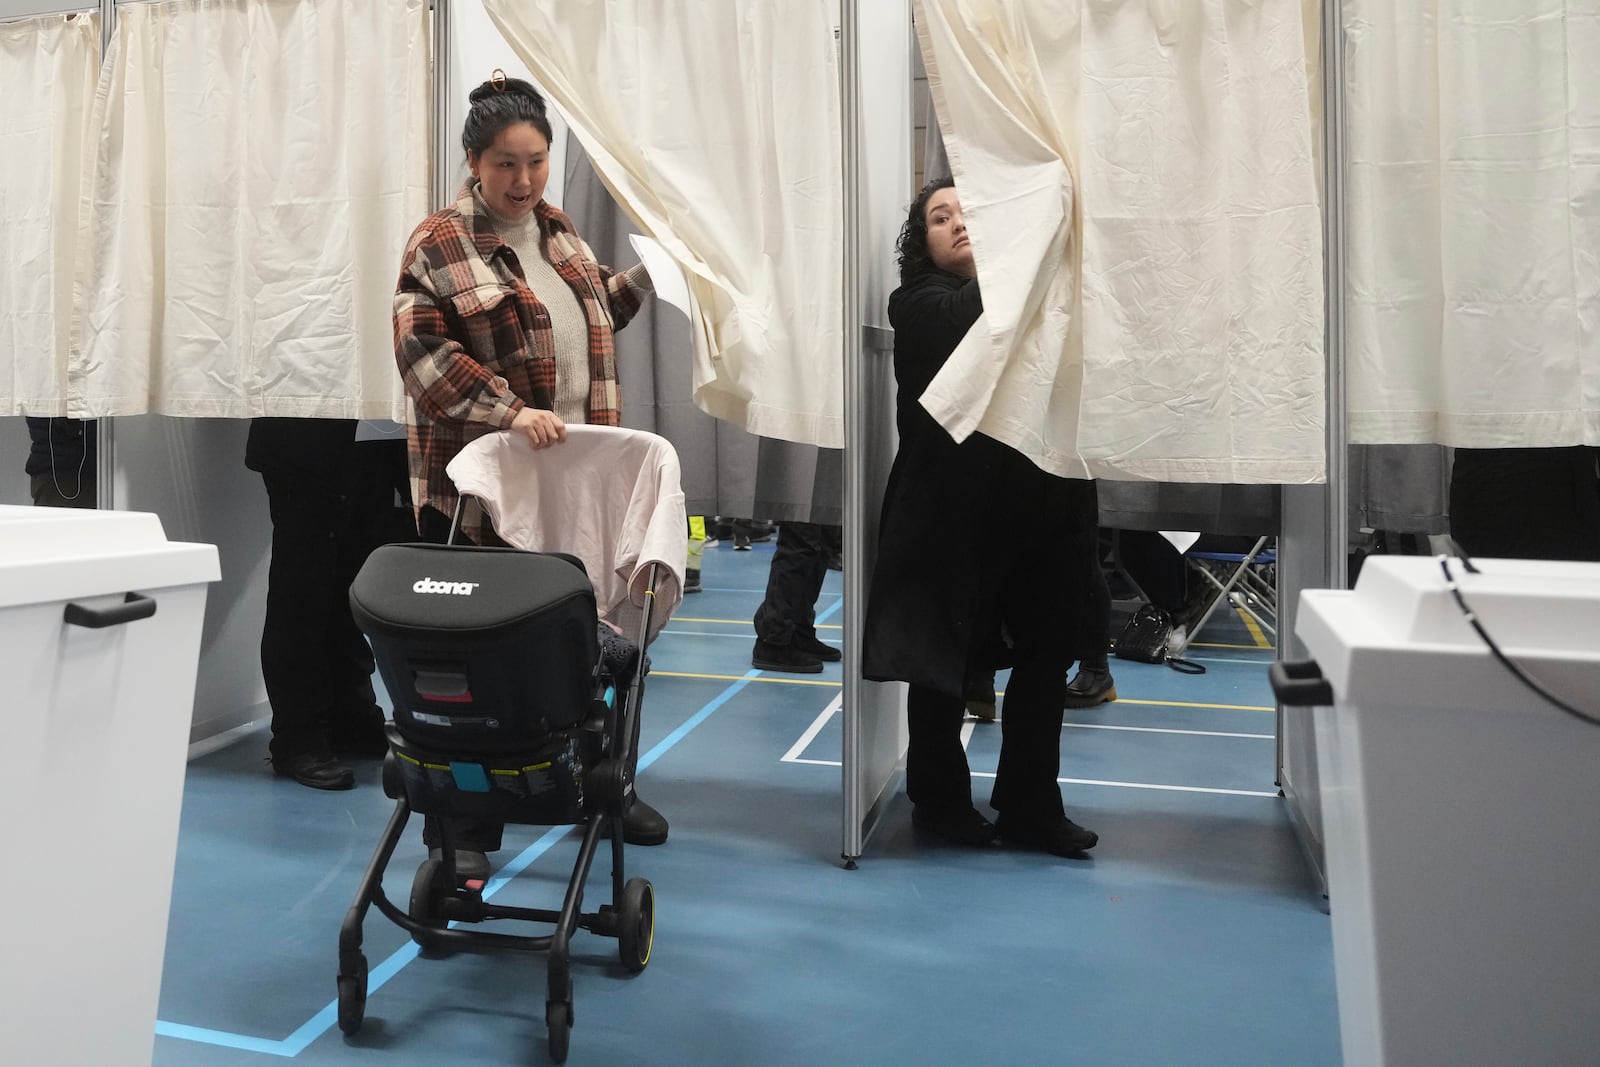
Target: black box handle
pixel 1299 683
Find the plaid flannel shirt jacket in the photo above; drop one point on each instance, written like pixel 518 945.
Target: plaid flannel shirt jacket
pixel 474 344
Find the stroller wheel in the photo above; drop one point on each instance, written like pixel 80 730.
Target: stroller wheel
pixel 558 1020
pixel 636 924
pixel 353 996
pixel 427 891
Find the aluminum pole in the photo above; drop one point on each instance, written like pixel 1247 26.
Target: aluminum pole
pixel 439 186
pixel 105 453
pixel 855 593
pixel 1333 240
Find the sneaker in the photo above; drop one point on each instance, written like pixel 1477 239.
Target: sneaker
pixel 1090 687
pixel 784 658
pixel 819 648
pixel 1062 837
pixel 741 542
pixel 691 581
pixel 959 826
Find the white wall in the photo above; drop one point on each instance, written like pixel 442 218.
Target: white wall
pixel 14 445
pixel 476 50
pixel 191 473
pixel 23 8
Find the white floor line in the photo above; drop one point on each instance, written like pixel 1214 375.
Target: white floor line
pixel 1095 781
pixel 1132 729
pixel 1151 785
pixel 1163 730
pixel 793 755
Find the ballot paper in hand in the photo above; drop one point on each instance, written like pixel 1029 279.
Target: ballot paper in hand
pixel 665 274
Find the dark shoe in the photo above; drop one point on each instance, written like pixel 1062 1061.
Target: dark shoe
pixel 642 824
pixel 980 696
pixel 741 542
pixel 319 770
pixel 1059 838
pixel 819 648
pixel 1090 687
pixel 470 865
pixel 784 658
pixel 691 581
pixel 959 826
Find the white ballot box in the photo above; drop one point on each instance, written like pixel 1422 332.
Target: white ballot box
pixel 100 619
pixel 1461 809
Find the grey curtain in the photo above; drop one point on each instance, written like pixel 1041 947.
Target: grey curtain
pixel 726 471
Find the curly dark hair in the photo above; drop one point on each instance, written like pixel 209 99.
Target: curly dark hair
pixel 496 104
pixel 912 246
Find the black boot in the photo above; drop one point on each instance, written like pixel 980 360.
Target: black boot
pixel 769 657
pixel 642 824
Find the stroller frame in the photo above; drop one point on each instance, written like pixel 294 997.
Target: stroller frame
pixel 439 897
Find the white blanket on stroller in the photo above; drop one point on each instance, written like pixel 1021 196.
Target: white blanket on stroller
pixel 607 495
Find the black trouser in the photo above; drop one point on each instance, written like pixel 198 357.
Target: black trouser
pixel 799 565
pixel 1025 787
pixel 73 489
pixel 316 664
pixel 1526 503
pixel 1096 619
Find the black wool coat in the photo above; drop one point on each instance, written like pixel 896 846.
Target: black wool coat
pixel 982 556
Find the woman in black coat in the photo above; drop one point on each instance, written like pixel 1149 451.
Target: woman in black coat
pixel 941 604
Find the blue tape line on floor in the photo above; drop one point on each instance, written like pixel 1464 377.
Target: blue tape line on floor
pixel 324 1020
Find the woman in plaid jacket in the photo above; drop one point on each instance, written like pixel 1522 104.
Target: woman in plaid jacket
pixel 503 321
pixel 502 318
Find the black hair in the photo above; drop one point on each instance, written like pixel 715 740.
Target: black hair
pixel 912 246
pixel 496 104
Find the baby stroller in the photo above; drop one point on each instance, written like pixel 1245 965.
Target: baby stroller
pixel 508 705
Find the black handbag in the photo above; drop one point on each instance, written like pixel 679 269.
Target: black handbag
pixel 1145 639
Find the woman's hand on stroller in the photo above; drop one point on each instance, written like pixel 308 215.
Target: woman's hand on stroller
pixel 542 428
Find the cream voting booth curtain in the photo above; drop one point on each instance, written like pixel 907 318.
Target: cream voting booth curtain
pixel 717 127
pixel 48 66
pixel 1139 182
pixel 1473 213
pixel 261 164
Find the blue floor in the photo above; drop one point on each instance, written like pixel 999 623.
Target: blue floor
pixel 1193 936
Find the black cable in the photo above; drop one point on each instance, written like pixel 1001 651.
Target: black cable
pixel 1516 671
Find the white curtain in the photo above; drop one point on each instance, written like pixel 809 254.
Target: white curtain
pixel 1139 182
pixel 48 66
pixel 261 164
pixel 716 125
pixel 1473 133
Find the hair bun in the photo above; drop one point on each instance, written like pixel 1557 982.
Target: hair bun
pixel 500 85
